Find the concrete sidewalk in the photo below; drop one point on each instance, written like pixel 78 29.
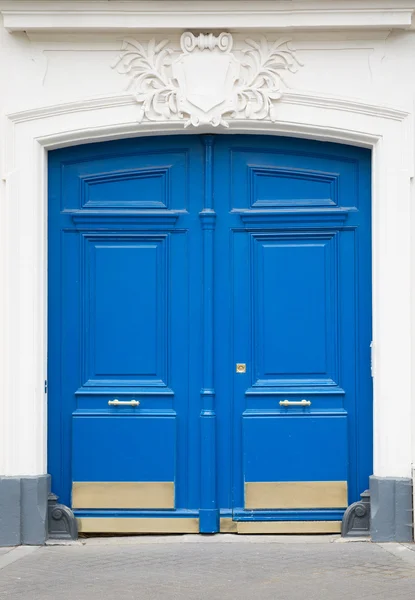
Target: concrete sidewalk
pixel 218 567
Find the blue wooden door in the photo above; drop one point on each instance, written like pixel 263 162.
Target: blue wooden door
pixel 294 264
pixel 124 339
pixel 209 331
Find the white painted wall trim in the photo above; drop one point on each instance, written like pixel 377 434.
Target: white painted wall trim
pixel 142 15
pixel 312 100
pixel 23 252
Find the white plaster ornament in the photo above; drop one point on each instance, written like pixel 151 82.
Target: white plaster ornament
pixel 206 83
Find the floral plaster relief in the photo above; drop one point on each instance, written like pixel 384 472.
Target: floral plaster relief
pixel 206 83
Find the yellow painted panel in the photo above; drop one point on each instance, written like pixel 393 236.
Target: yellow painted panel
pixel 295 494
pixel 122 494
pixel 288 527
pixel 137 525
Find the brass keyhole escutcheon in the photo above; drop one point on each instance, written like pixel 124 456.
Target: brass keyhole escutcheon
pixel 240 367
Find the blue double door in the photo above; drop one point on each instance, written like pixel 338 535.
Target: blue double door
pixel 209 333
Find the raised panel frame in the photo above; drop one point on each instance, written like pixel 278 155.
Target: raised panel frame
pixel 96 382
pixel 297 384
pixel 87 181
pixel 166 163
pixel 330 179
pixel 342 167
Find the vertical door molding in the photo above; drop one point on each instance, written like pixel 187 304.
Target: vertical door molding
pixel 209 513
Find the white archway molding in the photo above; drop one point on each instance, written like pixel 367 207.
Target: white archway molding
pixel 23 221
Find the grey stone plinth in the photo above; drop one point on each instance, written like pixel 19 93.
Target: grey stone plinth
pixel 23 510
pixel 10 497
pixel 391 509
pixel 34 509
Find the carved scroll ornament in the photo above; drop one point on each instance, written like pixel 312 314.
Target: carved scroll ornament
pixel 206 83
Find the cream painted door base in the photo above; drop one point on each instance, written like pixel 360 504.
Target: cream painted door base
pixel 131 525
pixel 279 527
pixel 134 525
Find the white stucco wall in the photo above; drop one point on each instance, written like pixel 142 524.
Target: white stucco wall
pixel 58 88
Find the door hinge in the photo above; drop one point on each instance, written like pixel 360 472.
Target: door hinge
pixel 371 358
pixel 46 386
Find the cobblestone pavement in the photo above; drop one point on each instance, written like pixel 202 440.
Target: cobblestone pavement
pixel 221 567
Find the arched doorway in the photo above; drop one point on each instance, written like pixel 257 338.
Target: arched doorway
pixel 209 333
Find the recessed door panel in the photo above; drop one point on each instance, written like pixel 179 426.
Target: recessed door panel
pixel 126 310
pixel 295 447
pixel 294 301
pixel 136 178
pixel 292 177
pixel 140 188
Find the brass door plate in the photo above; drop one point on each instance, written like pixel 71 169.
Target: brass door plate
pixel 240 367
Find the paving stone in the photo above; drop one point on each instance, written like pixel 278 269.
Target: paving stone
pixel 207 571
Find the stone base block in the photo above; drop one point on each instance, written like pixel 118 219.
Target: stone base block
pixel 391 509
pixel 24 510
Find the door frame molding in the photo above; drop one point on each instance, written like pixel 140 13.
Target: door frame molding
pixel 28 137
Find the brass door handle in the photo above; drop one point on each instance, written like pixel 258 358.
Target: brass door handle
pixel 123 402
pixel 295 403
